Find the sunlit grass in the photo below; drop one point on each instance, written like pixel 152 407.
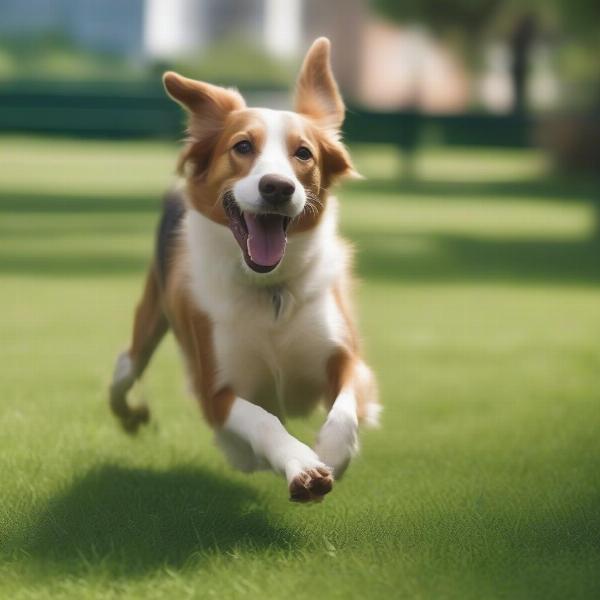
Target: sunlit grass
pixel 479 302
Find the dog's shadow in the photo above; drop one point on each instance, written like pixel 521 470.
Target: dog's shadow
pixel 133 520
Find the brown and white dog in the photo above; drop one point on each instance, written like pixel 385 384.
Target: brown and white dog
pixel 252 278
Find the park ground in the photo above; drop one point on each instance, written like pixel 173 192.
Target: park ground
pixel 479 301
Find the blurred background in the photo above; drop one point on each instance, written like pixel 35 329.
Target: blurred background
pixel 479 99
pixel 486 57
pixel 474 72
pixel 476 124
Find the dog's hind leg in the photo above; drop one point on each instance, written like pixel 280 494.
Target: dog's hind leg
pixel 149 327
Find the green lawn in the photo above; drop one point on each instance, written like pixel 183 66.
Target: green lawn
pixel 480 309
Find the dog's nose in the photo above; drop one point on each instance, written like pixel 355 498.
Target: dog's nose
pixel 276 189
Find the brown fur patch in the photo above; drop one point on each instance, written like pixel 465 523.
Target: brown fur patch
pixel 207 104
pixel 341 373
pixel 215 166
pixel 194 332
pixel 342 299
pixel 330 162
pixel 150 324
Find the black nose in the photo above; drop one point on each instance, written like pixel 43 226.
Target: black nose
pixel 276 189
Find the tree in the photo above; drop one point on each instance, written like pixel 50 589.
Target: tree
pixel 470 19
pixel 463 15
pixel 577 20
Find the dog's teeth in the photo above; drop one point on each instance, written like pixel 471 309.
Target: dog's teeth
pixel 248 248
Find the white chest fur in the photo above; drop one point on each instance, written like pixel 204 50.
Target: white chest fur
pixel 272 333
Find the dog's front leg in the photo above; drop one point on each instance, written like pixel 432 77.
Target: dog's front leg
pixel 307 476
pixel 352 393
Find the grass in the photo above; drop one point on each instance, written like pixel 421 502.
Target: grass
pixel 480 308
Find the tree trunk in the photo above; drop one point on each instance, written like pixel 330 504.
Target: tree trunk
pixel 521 44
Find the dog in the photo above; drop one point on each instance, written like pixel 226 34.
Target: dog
pixel 254 281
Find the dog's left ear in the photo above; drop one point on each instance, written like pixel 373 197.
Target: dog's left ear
pixel 319 99
pixel 317 94
pixel 207 106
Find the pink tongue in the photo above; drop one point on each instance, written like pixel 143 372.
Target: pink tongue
pixel 266 238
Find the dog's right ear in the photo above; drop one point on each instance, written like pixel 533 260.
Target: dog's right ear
pixel 207 104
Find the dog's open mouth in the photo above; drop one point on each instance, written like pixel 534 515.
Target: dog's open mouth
pixel 262 237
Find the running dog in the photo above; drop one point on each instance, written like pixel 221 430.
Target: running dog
pixel 253 279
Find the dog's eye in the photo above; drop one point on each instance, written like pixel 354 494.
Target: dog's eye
pixel 243 147
pixel 303 153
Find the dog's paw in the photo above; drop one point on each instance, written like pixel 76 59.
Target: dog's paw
pixel 134 418
pixel 337 442
pixel 311 484
pixel 131 417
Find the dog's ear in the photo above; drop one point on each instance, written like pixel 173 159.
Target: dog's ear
pixel 317 94
pixel 318 98
pixel 207 104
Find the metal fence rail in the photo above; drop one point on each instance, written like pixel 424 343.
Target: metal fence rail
pixel 118 110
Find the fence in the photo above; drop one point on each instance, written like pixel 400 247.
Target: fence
pixel 118 110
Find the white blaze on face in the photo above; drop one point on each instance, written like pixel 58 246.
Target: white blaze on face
pixel 274 159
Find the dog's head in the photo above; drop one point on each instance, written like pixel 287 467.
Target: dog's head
pixel 264 173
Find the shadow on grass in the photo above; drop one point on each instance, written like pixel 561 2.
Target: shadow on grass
pixel 456 258
pixel 549 189
pixel 73 265
pixel 131 521
pixel 56 204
